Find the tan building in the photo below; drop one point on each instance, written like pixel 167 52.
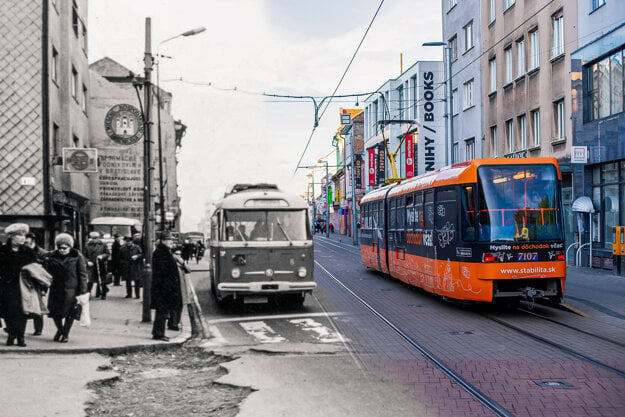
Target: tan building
pixel 44 89
pixel 526 88
pixel 116 131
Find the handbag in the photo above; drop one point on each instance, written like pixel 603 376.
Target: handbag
pixel 76 311
pixel 108 279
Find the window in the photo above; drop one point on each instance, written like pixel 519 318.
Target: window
pixel 604 87
pixel 84 38
pixel 54 69
pixel 469 148
pixel 536 127
pixel 400 104
pixel 510 135
pixel 557 43
pixel 520 53
pixel 558 112
pixel 522 132
pixel 453 45
pixel 491 11
pixel 75 19
pixel 493 140
pixel 452 3
pixel 415 107
pixel 76 141
pixel 468 94
pixel 492 65
pixel 455 153
pixel 56 140
pixel 84 98
pixel 454 101
pixel 468 36
pixel 597 3
pixel 374 119
pixel 507 4
pixel 74 85
pixel 508 53
pixel 534 50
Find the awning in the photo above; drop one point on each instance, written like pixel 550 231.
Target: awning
pixel 583 204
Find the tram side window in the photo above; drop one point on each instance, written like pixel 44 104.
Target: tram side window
pixel 468 214
pixel 392 221
pixel 418 210
pixel 401 214
pixel 428 208
pixel 410 219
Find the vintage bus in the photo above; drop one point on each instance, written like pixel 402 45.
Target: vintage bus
pixel 261 246
pixel 486 230
pixel 108 226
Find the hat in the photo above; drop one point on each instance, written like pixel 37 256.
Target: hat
pixel 30 235
pixel 127 238
pixel 64 239
pixel 116 235
pixel 16 229
pixel 94 235
pixel 166 236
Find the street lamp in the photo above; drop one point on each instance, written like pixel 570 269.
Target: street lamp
pixel 191 32
pixel 321 161
pixel 449 147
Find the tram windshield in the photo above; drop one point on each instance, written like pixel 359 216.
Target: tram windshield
pixel 518 203
pixel 265 225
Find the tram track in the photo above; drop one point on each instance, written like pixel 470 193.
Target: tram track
pixel 513 327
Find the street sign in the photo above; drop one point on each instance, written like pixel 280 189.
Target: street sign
pixel 346 119
pixel 80 160
pixel 579 154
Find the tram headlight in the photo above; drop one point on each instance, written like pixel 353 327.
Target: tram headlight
pixel 301 272
pixel 235 273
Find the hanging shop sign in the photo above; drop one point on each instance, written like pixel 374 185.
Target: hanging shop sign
pixel 381 171
pixel 358 171
pixel 80 160
pixel 124 124
pixel 371 166
pixel 409 156
pixel 430 152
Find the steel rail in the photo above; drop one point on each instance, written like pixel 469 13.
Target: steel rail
pixel 598 336
pixel 491 405
pixel 558 346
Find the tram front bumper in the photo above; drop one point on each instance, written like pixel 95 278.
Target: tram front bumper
pixel 266 287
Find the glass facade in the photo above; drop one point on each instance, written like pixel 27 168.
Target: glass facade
pixel 604 87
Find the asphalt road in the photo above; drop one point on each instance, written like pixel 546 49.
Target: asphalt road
pixel 298 349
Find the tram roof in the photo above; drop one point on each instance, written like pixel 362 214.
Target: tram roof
pixel 460 173
pixel 262 199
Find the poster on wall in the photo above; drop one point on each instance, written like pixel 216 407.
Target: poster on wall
pixel 371 153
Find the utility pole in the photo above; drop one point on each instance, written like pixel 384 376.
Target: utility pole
pixel 148 230
pixel 353 164
pixel 327 202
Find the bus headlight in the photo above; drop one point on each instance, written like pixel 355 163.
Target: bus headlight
pixel 235 273
pixel 301 272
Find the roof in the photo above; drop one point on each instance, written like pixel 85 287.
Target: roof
pixel 259 197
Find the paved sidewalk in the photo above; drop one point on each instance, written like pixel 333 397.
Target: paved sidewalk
pixel 115 327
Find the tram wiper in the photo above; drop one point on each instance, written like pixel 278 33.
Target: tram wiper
pixel 284 232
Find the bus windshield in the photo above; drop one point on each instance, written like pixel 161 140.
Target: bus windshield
pixel 519 203
pixel 265 225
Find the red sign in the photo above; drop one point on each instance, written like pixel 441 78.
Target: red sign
pixel 371 166
pixel 409 157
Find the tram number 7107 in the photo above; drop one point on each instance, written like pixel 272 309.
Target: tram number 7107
pixel 527 256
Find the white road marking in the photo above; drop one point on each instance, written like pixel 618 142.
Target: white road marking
pixel 274 317
pixel 262 332
pixel 323 334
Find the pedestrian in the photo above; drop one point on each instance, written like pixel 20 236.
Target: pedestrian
pixel 130 258
pixel 173 323
pixel 200 248
pixel 40 254
pixel 115 269
pixel 97 253
pixel 166 294
pixel 13 256
pixel 69 280
pixel 187 250
pixel 331 228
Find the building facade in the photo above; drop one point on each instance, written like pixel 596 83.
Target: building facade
pixel 599 123
pixel 462 32
pixel 44 102
pixel 412 104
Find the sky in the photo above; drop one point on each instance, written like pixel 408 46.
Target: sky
pixel 294 47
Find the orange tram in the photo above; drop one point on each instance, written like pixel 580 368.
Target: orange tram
pixel 487 230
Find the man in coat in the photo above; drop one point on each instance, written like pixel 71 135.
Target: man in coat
pixel 130 257
pixel 97 253
pixel 166 292
pixel 115 269
pixel 13 256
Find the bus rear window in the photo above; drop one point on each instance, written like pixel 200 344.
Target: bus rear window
pixel 518 203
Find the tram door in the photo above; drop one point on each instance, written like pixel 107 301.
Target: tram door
pixel 378 234
pixel 429 267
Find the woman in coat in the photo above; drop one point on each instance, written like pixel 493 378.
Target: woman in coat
pixel 13 256
pixel 69 279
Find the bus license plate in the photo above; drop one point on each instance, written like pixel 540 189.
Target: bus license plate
pixel 269 287
pixel 255 299
pixel 527 256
